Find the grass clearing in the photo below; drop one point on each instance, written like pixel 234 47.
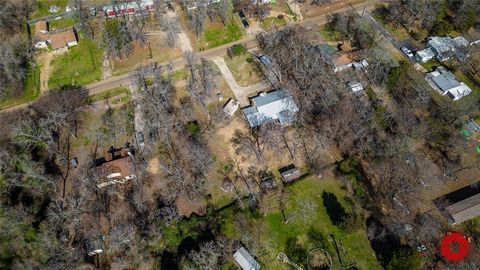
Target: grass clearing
pixel 31 89
pixel 296 238
pixel 244 69
pixel 278 234
pixel 80 65
pixel 61 23
pixel 42 7
pixel 430 65
pixel 216 34
pixel 110 94
pixel 328 34
pixel 272 22
pixel 464 78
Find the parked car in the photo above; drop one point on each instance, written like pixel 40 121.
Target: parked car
pixel 264 59
pixel 242 15
pixel 407 51
pixel 243 18
pixel 140 138
pixel 74 162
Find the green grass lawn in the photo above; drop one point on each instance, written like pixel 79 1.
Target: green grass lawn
pixel 430 65
pixel 61 23
pixel 216 34
pixel 110 93
pixel 275 236
pixel 464 78
pixel 245 73
pixel 31 89
pixel 80 65
pixel 42 7
pixel 328 34
pixel 271 22
pixel 277 233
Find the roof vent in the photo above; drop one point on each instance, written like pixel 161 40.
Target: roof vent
pixel 263 94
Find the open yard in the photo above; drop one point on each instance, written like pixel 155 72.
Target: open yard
pixel 80 65
pixel 272 22
pixel 42 7
pixel 61 23
pixel 115 92
pixel 141 55
pixel 245 69
pixel 265 233
pixel 216 34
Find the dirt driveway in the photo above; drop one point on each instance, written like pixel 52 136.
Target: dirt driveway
pixel 44 60
pixel 240 92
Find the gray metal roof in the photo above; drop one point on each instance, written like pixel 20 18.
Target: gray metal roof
pixel 444 79
pixel 245 260
pixel 274 105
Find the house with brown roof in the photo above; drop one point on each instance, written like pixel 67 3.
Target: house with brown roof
pixel 460 205
pixel 63 40
pixel 58 40
pixel 116 167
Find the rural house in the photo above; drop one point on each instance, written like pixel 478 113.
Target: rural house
pixel 277 105
pixel 443 48
pixel 245 260
pixel 446 83
pixel 116 167
pixel 460 205
pixel 59 40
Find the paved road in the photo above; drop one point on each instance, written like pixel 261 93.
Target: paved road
pixel 379 27
pixel 179 63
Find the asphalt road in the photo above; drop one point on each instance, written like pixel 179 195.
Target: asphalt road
pixel 179 63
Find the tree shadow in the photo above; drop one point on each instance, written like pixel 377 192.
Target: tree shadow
pixel 335 210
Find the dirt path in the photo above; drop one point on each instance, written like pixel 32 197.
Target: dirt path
pixel 183 39
pixel 44 61
pixel 240 92
pixel 106 68
pixel 296 8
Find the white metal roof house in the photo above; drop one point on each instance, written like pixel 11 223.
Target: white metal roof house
pixel 446 83
pixel 424 55
pixel 355 86
pixel 277 105
pixel 245 260
pixel 447 47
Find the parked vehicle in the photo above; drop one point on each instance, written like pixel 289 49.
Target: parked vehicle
pixel 140 139
pixel 243 18
pixel 407 51
pixel 264 59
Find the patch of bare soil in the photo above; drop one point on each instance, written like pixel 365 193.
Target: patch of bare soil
pixel 187 205
pixel 308 10
pixel 44 60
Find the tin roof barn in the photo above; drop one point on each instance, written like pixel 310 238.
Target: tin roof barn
pixel 275 105
pixel 290 173
pixel 245 260
pixel 460 205
pixel 446 83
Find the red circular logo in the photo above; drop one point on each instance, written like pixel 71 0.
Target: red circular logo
pixel 454 247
